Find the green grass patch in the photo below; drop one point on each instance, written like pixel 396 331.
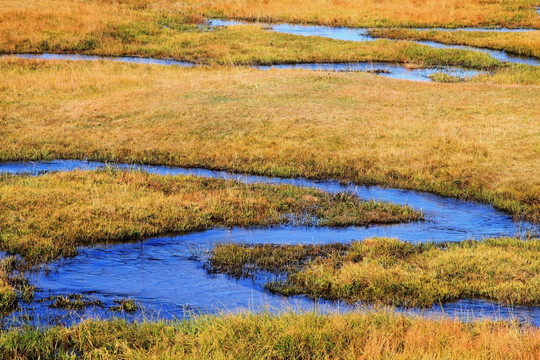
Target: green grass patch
pixel 48 216
pixel 445 78
pixel 481 143
pixel 518 43
pixel 372 335
pixel 391 272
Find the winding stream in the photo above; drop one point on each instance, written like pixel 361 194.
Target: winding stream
pixel 362 34
pixel 125 59
pixel 391 70
pixel 163 274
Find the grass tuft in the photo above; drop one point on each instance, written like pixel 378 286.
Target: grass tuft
pixel 374 335
pixel 392 272
pixel 51 215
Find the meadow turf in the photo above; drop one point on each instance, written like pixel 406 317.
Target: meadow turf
pixel 352 13
pixel 72 18
pixel 360 335
pixel 48 216
pixel 392 272
pixel 518 43
pixel 101 28
pixel 471 141
pixel 162 29
pixel 388 13
pixel 476 140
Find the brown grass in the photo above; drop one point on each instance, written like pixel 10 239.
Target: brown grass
pixel 8 296
pixel 48 216
pixel 373 13
pixel 469 140
pixel 106 29
pixel 81 18
pixel 371 335
pixel 519 43
pixel 392 272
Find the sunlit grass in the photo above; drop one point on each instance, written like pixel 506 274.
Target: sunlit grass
pixel 407 13
pixel 104 29
pixel 474 141
pixel 8 295
pixel 511 74
pixel 519 43
pixel 369 335
pixel 391 272
pixel 51 215
pixel 471 141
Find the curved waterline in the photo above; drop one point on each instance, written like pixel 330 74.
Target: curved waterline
pixel 448 219
pixel 391 70
pixel 168 279
pixel 123 59
pixel 362 35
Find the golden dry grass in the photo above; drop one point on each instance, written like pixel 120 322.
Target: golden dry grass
pixel 392 272
pixel 8 296
pixel 511 74
pixel 472 141
pixel 371 335
pixel 106 29
pixel 47 216
pixel 370 13
pixel 520 43
pixel 84 17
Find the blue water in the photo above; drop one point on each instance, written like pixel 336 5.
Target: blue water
pixel 391 70
pixel 396 71
pixel 128 59
pixel 166 274
pixel 362 34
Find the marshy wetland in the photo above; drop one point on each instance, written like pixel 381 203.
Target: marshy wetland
pixel 190 187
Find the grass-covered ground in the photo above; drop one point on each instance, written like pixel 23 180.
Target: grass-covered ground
pixel 391 272
pixel 8 294
pixel 473 141
pixel 44 217
pixel 373 335
pixel 163 29
pixel 83 19
pixel 51 215
pixel 103 28
pixel 476 141
pixel 388 13
pixel 519 43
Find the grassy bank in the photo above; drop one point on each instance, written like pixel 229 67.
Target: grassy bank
pixel 8 295
pixel 102 28
pixel 511 74
pixel 372 335
pixel 388 13
pixel 519 43
pixel 48 216
pixel 349 126
pixel 392 272
pixel 85 22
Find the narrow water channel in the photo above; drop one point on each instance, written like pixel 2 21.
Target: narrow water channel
pixel 362 35
pixel 166 274
pixel 391 70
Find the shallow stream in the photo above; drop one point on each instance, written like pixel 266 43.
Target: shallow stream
pixel 392 70
pixel 362 35
pixel 166 274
